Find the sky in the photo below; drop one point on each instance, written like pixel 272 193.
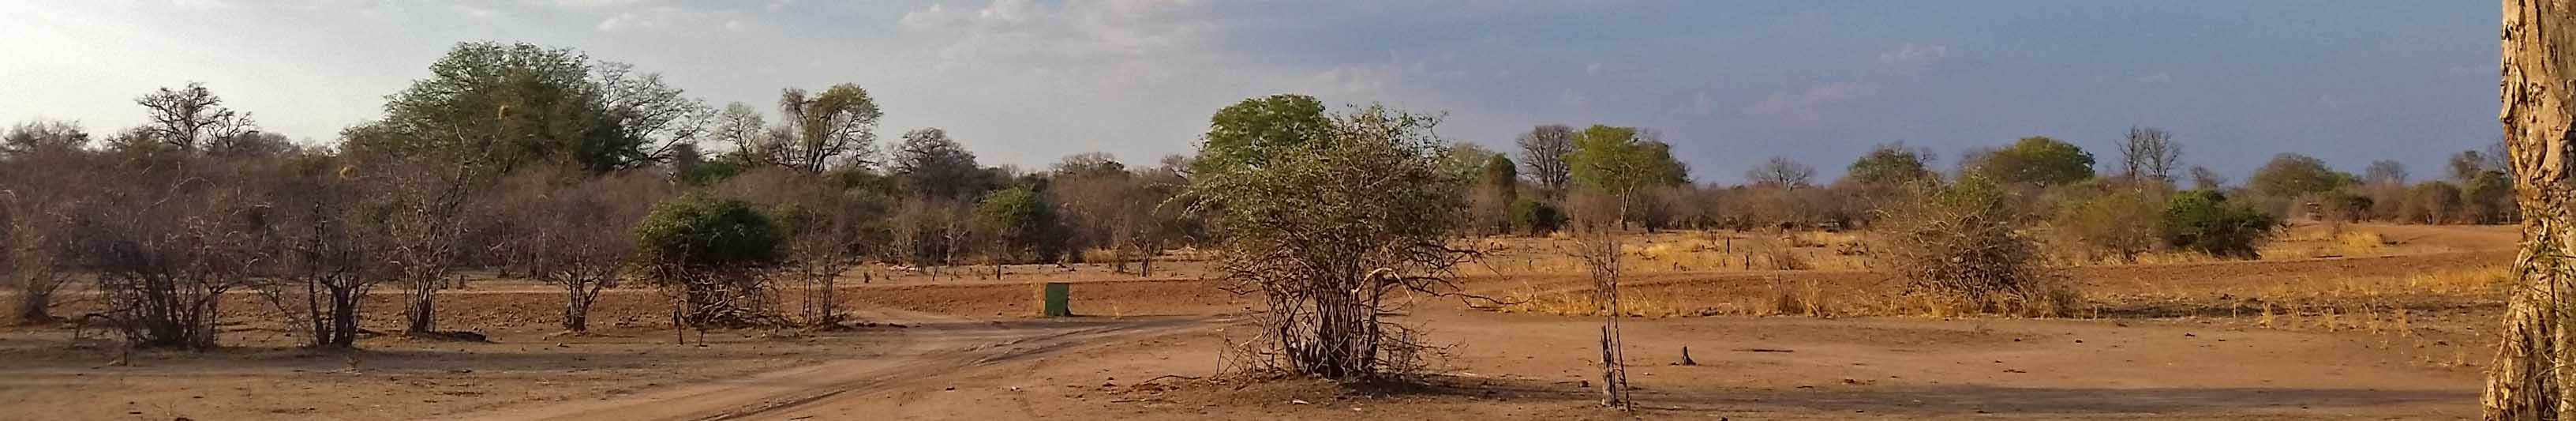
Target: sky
pixel 1026 82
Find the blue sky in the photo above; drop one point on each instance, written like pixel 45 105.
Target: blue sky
pixel 1026 82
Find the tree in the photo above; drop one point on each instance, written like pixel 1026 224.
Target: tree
pixel 2529 380
pixel 325 259
pixel 1022 222
pixel 189 117
pixel 2110 222
pixel 819 131
pixel 2035 160
pixel 2292 175
pixel 2205 221
pixel 535 104
pixel 44 175
pixel 1543 150
pixel 2202 178
pixel 1324 228
pixel 2432 202
pixel 1890 164
pixel 1617 160
pixel 929 164
pixel 166 243
pixel 2383 172
pixel 2488 198
pixel 1782 173
pixel 43 136
pixel 2149 153
pixel 573 232
pixel 2466 165
pixel 1499 187
pixel 709 253
pixel 828 229
pixel 1962 243
pixel 1250 132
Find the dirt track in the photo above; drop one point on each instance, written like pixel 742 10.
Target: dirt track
pixel 2181 341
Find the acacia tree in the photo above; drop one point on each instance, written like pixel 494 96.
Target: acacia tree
pixel 1324 221
pixel 189 117
pixel 1890 164
pixel 2529 380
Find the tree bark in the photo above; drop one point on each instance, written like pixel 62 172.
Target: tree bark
pixel 2536 115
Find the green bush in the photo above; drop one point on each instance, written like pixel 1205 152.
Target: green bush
pixel 2204 221
pixel 698 232
pixel 1539 217
pixel 1025 222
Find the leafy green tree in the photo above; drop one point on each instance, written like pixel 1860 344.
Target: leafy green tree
pixel 1540 218
pixel 710 252
pixel 1023 221
pixel 1617 160
pixel 1889 164
pixel 2489 197
pixel 2292 175
pixel 1249 133
pixel 2035 160
pixel 531 103
pixel 2205 221
pixel 1499 188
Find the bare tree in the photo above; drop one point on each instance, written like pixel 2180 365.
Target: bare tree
pixel 576 232
pixel 42 193
pixel 2529 379
pixel 167 243
pixel 828 230
pixel 657 117
pixel 1543 150
pixel 2202 178
pixel 2149 152
pixel 321 273
pixel 189 117
pixel 1782 173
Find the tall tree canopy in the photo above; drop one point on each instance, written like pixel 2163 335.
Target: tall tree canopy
pixel 192 117
pixel 1250 133
pixel 819 131
pixel 2291 174
pixel 2035 160
pixel 1618 160
pixel 531 103
pixel 1889 164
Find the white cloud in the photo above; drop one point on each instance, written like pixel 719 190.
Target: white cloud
pixel 477 12
pixel 1812 107
pixel 1913 55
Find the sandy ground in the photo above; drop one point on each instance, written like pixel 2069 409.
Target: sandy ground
pixel 2393 331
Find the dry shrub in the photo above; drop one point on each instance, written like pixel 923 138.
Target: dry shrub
pixel 1960 248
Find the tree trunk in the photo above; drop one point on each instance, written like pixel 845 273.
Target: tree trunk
pixel 35 305
pixel 2536 115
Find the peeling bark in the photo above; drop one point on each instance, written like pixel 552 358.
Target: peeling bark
pixel 2524 383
